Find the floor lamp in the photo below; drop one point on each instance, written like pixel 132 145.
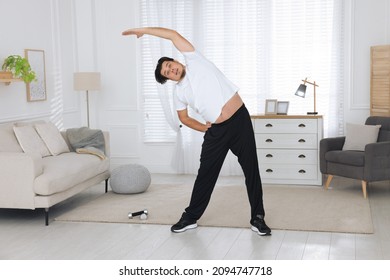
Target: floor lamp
pixel 301 92
pixel 86 81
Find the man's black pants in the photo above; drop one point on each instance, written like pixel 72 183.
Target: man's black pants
pixel 235 134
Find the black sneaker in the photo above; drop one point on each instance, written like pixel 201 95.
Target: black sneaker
pixel 259 226
pixel 183 224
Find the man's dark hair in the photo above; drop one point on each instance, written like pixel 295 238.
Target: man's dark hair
pixel 157 73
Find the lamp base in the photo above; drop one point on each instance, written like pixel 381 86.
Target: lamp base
pixel 312 113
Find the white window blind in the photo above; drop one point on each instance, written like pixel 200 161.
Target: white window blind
pixel 265 47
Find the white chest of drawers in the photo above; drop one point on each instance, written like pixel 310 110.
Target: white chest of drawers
pixel 288 147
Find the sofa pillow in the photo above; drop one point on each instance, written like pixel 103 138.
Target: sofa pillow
pixel 359 135
pixel 52 138
pixel 30 141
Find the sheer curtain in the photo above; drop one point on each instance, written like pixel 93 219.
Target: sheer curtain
pixel 265 47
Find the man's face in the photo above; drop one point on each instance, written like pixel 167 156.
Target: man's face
pixel 172 70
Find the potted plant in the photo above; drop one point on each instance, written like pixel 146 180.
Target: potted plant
pixel 20 68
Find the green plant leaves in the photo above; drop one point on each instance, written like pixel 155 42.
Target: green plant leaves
pixel 20 68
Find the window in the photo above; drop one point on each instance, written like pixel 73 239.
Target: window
pixel 264 47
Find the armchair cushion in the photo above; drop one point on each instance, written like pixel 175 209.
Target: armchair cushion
pixel 358 136
pixel 354 158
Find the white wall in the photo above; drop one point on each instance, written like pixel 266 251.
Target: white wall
pixel 118 105
pixel 367 24
pixel 44 25
pixel 15 37
pixel 85 35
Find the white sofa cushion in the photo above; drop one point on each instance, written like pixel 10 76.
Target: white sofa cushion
pixel 30 141
pixel 67 169
pixel 52 138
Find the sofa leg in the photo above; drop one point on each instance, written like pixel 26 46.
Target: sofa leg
pixel 106 185
pixel 46 216
pixel 330 177
pixel 364 188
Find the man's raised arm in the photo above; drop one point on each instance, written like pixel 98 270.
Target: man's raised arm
pixel 181 43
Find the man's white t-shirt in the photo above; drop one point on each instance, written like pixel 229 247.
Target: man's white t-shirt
pixel 204 87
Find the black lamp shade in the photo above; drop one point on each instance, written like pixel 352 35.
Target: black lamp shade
pixel 301 91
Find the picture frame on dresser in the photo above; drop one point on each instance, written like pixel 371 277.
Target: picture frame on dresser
pixel 271 106
pixel 282 107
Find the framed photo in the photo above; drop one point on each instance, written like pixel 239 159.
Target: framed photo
pixel 270 106
pixel 36 90
pixel 282 107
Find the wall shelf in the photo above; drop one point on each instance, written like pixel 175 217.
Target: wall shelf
pixel 9 81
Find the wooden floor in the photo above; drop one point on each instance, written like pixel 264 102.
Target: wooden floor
pixel 24 236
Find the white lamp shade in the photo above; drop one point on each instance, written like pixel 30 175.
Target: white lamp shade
pixel 86 81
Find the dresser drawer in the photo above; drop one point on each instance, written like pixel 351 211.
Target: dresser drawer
pixel 288 141
pixel 289 171
pixel 285 126
pixel 275 156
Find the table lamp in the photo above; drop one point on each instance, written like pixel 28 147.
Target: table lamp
pixel 301 92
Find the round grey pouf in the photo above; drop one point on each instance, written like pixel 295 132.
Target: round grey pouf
pixel 131 178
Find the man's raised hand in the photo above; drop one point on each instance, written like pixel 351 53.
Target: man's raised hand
pixel 133 32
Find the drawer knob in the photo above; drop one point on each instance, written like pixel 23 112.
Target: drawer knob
pixel 302 156
pixel 302 171
pixel 269 156
pixel 301 140
pixel 268 125
pixel 269 141
pixel 301 125
pixel 269 170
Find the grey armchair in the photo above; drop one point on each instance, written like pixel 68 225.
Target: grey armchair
pixel 370 165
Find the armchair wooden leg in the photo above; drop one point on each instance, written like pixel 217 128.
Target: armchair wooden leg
pixel 364 187
pixel 330 177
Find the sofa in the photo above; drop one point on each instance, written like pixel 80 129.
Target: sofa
pixel 37 174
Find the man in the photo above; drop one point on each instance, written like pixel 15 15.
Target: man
pixel 228 126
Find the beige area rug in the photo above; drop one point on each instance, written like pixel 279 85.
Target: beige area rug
pixel 287 208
